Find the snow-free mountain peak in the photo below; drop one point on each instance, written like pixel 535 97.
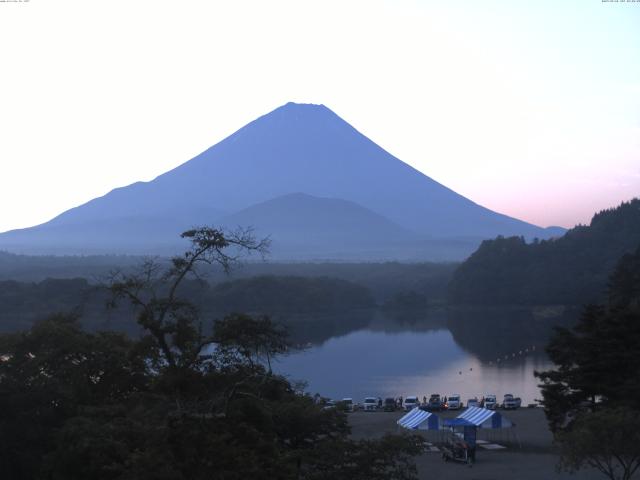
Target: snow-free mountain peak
pixel 302 148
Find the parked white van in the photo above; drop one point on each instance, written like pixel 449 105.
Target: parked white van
pixel 453 402
pixel 411 402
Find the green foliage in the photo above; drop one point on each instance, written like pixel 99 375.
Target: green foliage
pixel 624 283
pixel 383 280
pixel 592 396
pixel 271 294
pixel 241 339
pixel 598 360
pixel 51 374
pixel 389 457
pixel 607 440
pixel 572 269
pixel 178 403
pixel 597 363
pixel 21 304
pixel 76 405
pixel 407 301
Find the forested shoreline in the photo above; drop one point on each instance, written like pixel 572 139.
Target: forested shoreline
pixel 569 270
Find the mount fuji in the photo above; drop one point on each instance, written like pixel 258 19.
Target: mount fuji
pixel 300 174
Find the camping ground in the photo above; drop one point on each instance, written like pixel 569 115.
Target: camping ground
pixel 529 455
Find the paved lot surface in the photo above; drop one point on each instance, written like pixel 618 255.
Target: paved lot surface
pixel 529 452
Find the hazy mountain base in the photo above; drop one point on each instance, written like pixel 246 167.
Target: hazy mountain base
pixel 330 245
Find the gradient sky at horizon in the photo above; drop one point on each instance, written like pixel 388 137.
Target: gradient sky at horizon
pixel 529 108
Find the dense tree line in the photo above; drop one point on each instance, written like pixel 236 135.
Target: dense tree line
pixel 592 396
pixel 312 308
pixel 410 300
pixel 21 304
pixel 183 401
pixel 288 293
pixel 383 279
pixel 572 269
pixel 35 268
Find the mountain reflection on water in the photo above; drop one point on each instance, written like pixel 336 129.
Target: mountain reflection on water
pixel 472 352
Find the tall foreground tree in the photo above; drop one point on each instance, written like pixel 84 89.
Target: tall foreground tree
pixel 172 323
pixel 182 402
pixel 592 396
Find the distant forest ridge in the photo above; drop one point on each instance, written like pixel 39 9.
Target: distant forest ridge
pixel 572 269
pixel 22 304
pixel 288 292
pixel 384 279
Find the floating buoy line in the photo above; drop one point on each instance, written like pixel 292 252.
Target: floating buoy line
pixel 510 356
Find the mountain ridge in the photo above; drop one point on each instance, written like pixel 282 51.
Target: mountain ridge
pixel 303 148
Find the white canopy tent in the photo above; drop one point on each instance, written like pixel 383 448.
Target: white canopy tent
pixel 476 419
pixel 418 419
pixel 485 418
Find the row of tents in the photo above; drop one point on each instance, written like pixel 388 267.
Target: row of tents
pixel 476 417
pixel 465 425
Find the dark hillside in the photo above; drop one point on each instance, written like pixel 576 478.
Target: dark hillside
pixel 572 269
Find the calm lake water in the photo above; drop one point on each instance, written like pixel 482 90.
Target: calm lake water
pixel 472 354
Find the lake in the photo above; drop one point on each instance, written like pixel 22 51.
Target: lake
pixel 472 353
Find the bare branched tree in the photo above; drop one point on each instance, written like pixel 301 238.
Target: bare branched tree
pixel 152 290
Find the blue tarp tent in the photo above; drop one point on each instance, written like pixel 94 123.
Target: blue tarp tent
pixel 458 422
pixel 418 419
pixel 479 417
pixel 473 419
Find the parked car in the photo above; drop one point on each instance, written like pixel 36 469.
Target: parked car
pixel 490 402
pixel 510 402
pixel 453 402
pixel 329 404
pixel 389 404
pixel 347 404
pixel 435 403
pixel 370 404
pixel 410 403
pixel 473 402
